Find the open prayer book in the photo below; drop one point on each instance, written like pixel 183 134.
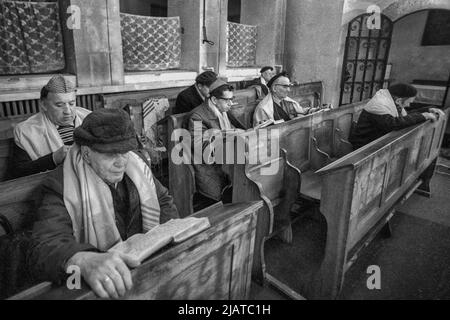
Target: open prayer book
pixel 141 246
pixel 268 123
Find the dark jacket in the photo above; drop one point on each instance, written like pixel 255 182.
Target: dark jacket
pixel 21 164
pixel 257 82
pixel 372 126
pixel 53 242
pixel 209 178
pixel 187 100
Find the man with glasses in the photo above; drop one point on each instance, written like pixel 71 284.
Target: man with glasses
pixel 277 105
pixel 210 178
pixel 42 141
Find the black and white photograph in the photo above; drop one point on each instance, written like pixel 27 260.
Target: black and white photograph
pixel 224 155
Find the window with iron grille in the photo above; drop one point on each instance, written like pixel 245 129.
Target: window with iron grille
pixel 241 45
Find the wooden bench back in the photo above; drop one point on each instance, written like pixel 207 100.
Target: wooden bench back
pixel 362 189
pixel 181 176
pixel 19 199
pixel 312 141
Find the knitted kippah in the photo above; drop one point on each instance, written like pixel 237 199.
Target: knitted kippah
pixel 402 90
pixel 59 84
pixel 107 131
pixel 281 74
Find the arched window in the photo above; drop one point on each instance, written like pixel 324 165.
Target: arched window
pixel 365 59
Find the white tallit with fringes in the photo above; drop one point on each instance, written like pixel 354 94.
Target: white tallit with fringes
pixel 89 201
pixel 382 103
pixel 38 136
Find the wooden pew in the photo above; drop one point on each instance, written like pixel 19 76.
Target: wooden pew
pixel 18 199
pixel 361 191
pixel 215 264
pixel 278 189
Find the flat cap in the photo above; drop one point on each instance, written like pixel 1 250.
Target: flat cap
pixel 206 78
pixel 264 69
pixel 402 90
pixel 59 84
pixel 107 131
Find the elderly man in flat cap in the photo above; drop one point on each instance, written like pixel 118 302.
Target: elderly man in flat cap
pixel 103 193
pixel 210 179
pixel 42 141
pixel 277 105
pixel 261 82
pixel 196 94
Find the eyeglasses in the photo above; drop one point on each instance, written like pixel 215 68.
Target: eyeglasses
pixel 284 85
pixel 228 100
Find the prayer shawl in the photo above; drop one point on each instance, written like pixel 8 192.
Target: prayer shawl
pixel 89 201
pixel 382 103
pixel 224 122
pixel 264 110
pixel 38 136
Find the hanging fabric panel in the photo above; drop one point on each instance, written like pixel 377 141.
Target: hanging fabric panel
pixel 241 45
pixel 30 37
pixel 150 43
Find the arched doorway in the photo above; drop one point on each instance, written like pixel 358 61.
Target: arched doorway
pixel 365 59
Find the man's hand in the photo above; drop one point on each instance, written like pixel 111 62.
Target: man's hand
pixel 107 274
pixel 438 112
pixel 430 116
pixel 60 154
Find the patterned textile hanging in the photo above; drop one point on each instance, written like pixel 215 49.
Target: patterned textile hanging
pixel 150 43
pixel 30 37
pixel 241 45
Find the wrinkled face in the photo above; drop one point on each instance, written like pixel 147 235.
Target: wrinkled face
pixel 404 103
pixel 267 75
pixel 60 107
pixel 110 167
pixel 204 89
pixel 225 102
pixel 281 87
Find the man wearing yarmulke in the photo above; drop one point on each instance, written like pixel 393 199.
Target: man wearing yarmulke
pixel 41 142
pixel 103 193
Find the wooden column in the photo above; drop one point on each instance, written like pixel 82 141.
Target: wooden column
pixel 94 51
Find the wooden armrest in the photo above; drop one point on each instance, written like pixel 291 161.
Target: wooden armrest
pixel 321 152
pixel 341 138
pixel 6 225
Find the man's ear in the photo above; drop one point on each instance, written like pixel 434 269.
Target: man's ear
pixel 399 101
pixel 42 105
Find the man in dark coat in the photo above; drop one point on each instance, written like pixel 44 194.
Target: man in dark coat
pixel 266 74
pixel 385 112
pixel 196 94
pixel 211 179
pixel 102 194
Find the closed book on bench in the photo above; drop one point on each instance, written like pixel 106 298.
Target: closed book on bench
pixel 141 246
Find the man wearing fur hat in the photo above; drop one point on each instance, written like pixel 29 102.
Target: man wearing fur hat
pixel 42 141
pixel 103 193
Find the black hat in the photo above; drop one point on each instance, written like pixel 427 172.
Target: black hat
pixel 107 131
pixel 206 78
pixel 402 90
pixel 272 80
pixel 264 69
